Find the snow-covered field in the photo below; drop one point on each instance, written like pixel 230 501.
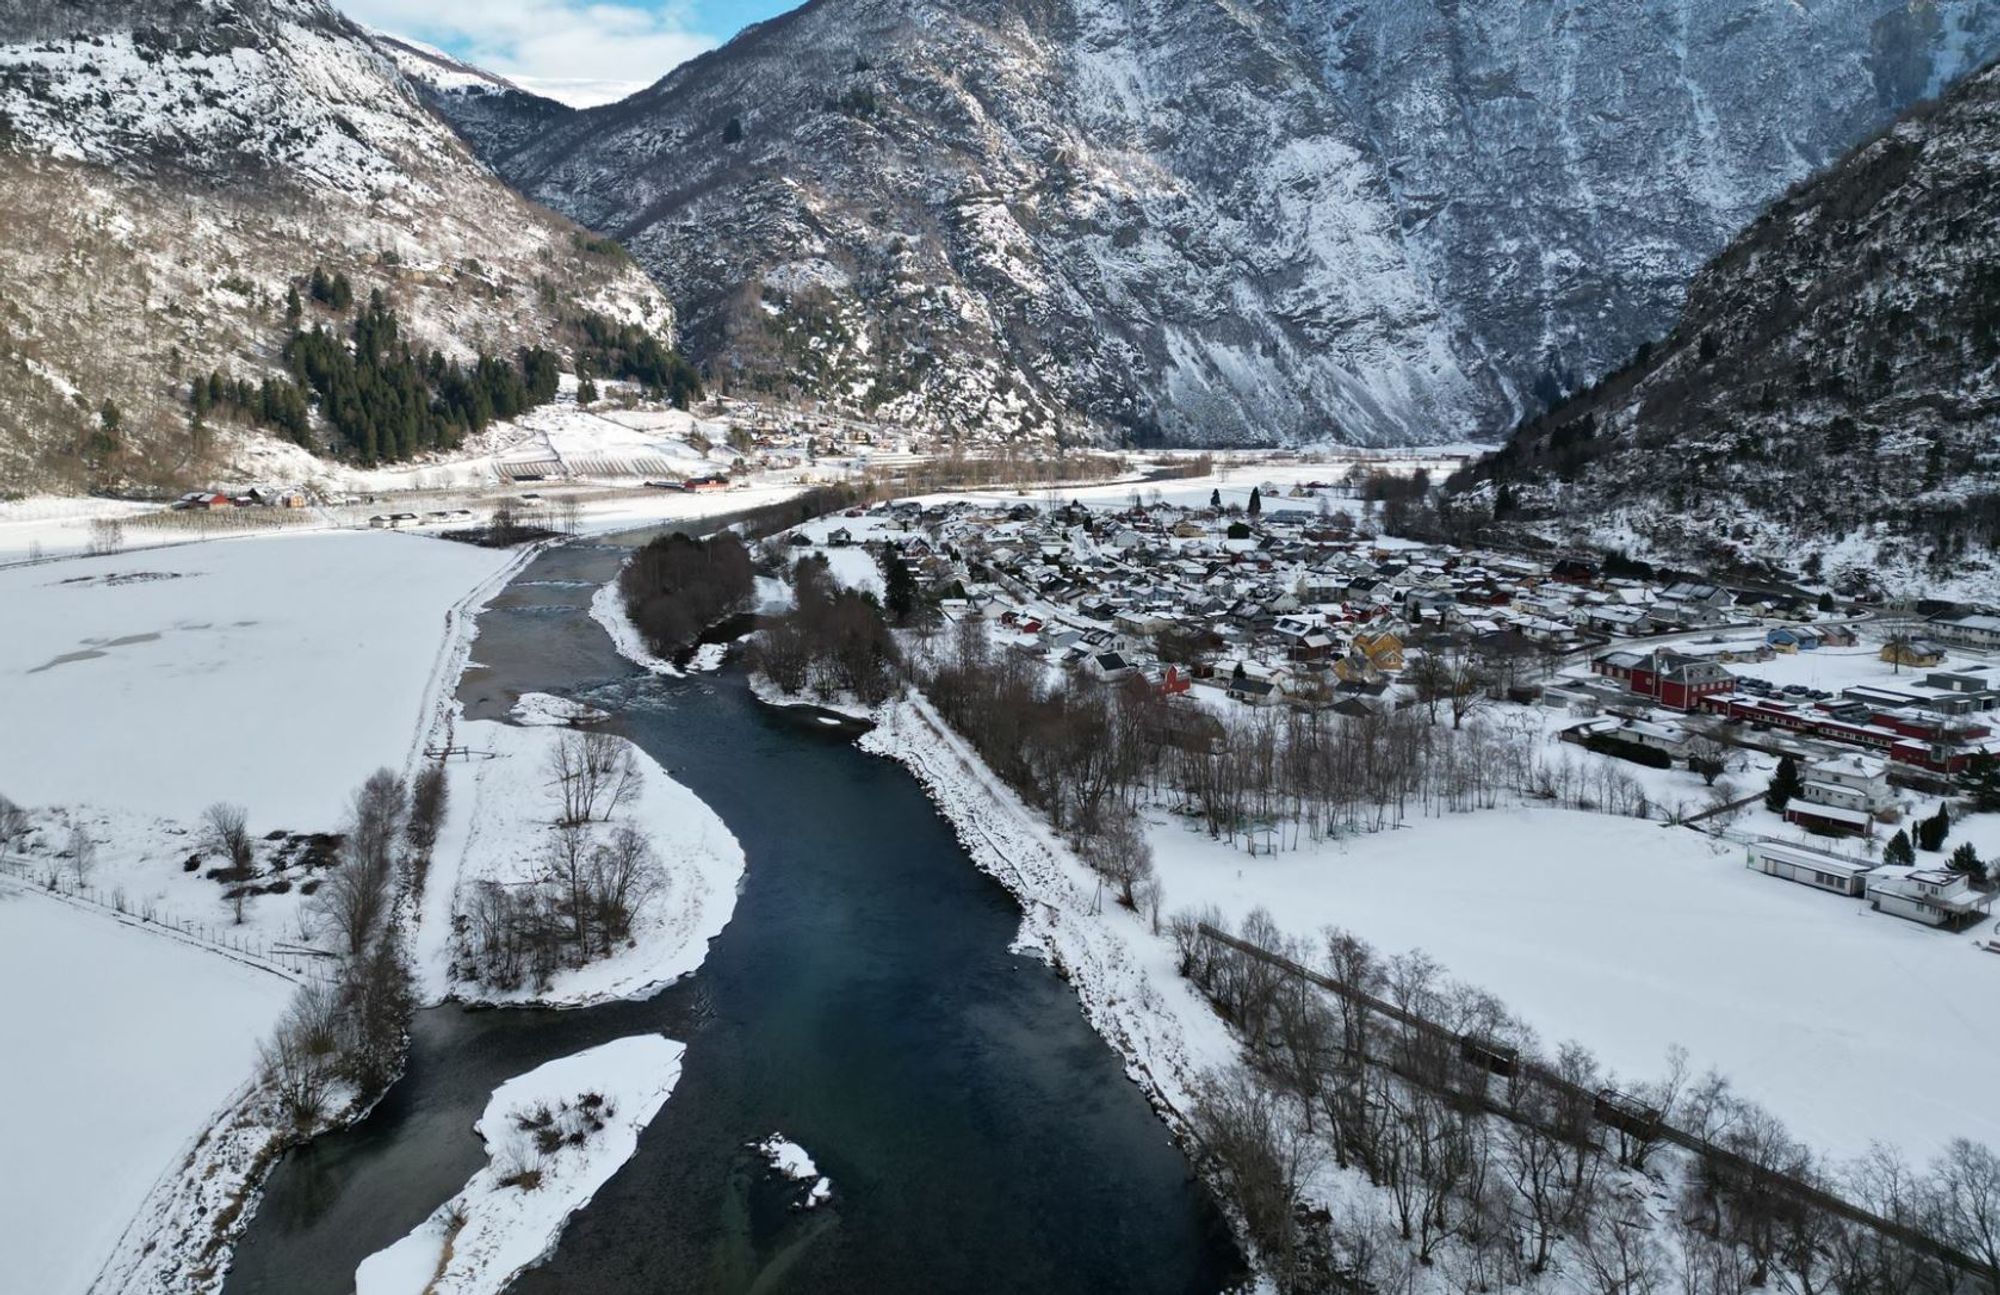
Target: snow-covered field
pixel 553 1137
pixel 275 672
pixel 119 1046
pixel 502 812
pixel 1629 937
pixel 1626 935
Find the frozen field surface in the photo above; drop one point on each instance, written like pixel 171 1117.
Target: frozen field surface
pixel 1630 937
pixel 274 672
pixel 92 1116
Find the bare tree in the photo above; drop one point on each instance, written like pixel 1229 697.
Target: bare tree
pixel 1707 757
pixel 1620 1255
pixel 225 831
pixel 594 773
pixel 624 874
pixel 566 870
pixel 299 1062
pixel 428 797
pixel 354 899
pixel 1964 1204
pixel 82 856
pixel 1122 856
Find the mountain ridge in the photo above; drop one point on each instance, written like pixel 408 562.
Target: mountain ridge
pixel 1344 219
pixel 190 163
pixel 1828 401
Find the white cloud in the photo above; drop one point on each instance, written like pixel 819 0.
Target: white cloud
pixel 572 50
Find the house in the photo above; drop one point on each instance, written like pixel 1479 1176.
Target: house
pixel 1913 652
pixel 1689 593
pixel 1256 692
pixel 1382 648
pixel 1857 782
pixel 1828 820
pixel 1111 667
pixel 1671 679
pixel 1809 867
pixel 1617 619
pixel 1932 896
pixel 705 485
pixel 1969 629
pixel 1793 638
pixel 840 538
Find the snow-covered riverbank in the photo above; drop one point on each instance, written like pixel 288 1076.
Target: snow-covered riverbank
pixel 553 1137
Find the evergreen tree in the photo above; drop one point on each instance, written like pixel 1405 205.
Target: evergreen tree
pixel 341 296
pixel 1933 830
pixel 1981 783
pixel 320 286
pixel 1899 853
pixel 1785 784
pixel 898 585
pixel 1215 499
pixel 294 308
pixel 1965 859
pixel 1256 501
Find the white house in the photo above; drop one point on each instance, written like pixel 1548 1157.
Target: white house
pixel 1808 867
pixel 1932 896
pixel 1857 782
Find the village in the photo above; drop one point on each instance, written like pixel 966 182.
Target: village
pixel 1287 599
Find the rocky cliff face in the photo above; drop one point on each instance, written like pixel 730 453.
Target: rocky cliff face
pixel 1368 220
pixel 1830 399
pixel 492 113
pixel 180 164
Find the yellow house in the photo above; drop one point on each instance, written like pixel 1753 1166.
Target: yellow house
pixel 1920 652
pixel 1383 649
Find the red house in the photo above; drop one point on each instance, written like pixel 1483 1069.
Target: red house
pixel 1670 679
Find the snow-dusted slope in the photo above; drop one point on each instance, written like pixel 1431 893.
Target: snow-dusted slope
pixel 181 163
pixel 1831 396
pixel 490 111
pixel 1377 220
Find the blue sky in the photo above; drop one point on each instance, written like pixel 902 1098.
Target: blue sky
pixel 580 51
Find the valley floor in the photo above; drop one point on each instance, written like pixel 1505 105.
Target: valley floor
pixel 122 1046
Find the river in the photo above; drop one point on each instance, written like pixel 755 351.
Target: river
pixel 979 1135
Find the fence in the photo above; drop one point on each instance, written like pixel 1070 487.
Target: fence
pixel 1613 1109
pixel 291 963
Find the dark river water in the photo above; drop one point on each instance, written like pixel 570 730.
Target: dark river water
pixel 979 1135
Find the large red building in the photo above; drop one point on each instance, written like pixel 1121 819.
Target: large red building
pixel 1670 679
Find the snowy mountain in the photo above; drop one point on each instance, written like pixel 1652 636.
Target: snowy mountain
pixel 1372 220
pixel 184 163
pixel 1831 395
pixel 492 113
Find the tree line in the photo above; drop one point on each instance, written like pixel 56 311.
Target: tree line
pixel 1491 1176
pixel 629 353
pixel 349 1031
pixel 834 642
pixel 676 587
